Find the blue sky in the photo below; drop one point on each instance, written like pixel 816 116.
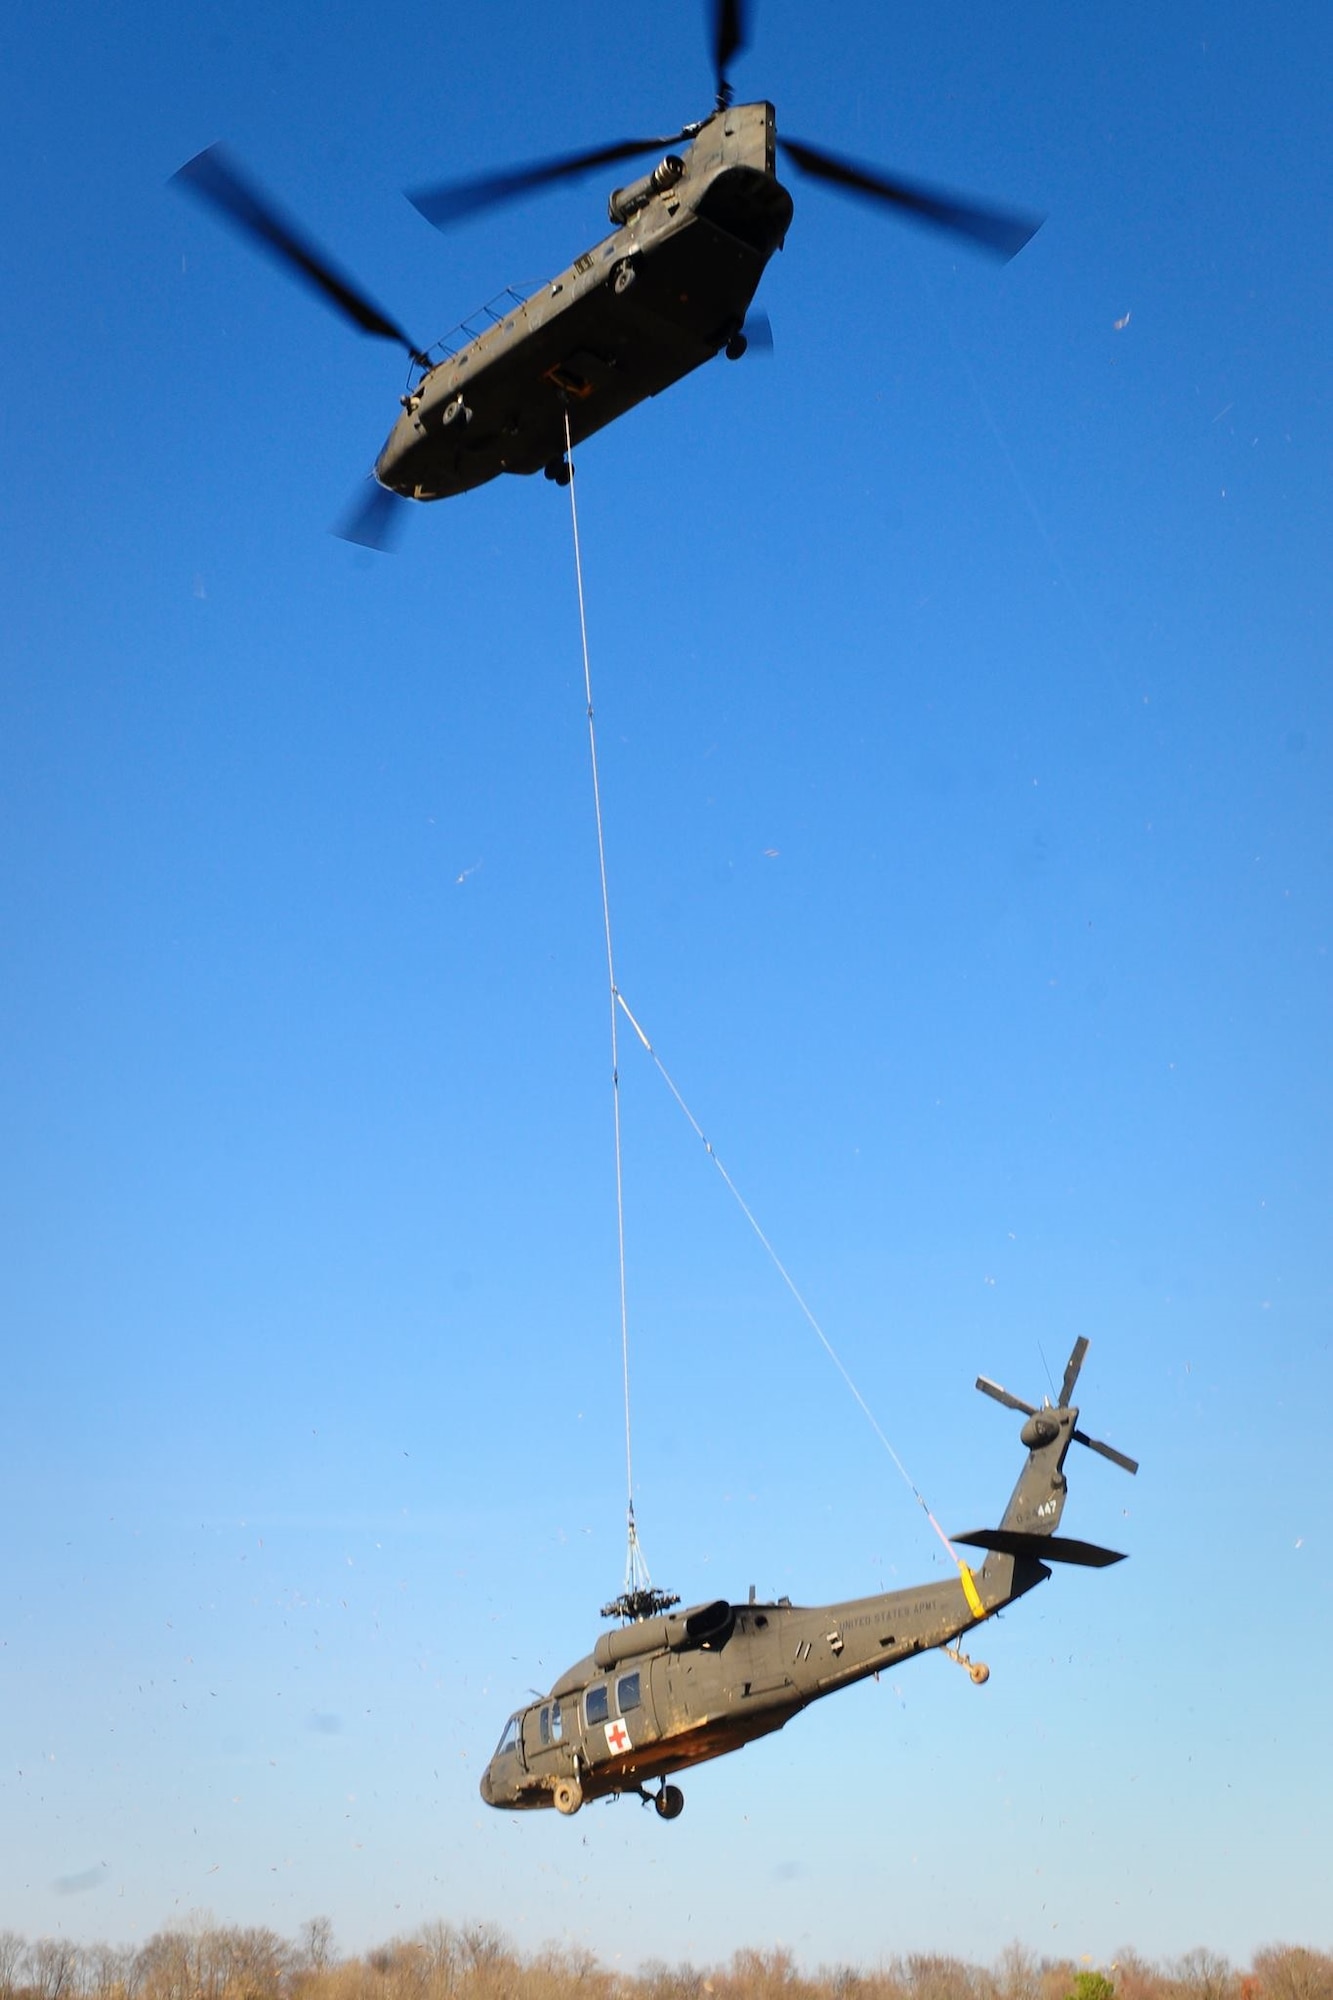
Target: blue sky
pixel 967 754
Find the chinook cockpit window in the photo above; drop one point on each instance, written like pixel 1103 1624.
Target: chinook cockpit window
pixel 511 1734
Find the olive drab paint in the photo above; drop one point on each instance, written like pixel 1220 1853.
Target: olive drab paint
pixel 661 1693
pixel 665 292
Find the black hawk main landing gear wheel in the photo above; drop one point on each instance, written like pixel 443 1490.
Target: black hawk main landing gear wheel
pixel 669 1802
pixel 568 1795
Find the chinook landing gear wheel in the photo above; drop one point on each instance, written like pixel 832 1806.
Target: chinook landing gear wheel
pixel 456 411
pixel 670 1802
pixel 560 470
pixel 568 1795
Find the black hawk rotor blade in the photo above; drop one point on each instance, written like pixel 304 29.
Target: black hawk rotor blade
pixel 729 38
pixel 1072 1367
pixel 214 178
pixel 989 1388
pixel 375 518
pixel 1107 1451
pixel 451 201
pixel 1001 231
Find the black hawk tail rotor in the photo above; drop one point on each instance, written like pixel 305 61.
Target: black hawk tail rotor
pixel 1030 1410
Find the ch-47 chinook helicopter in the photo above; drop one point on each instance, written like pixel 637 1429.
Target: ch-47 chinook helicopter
pixel 666 291
pixel 670 1689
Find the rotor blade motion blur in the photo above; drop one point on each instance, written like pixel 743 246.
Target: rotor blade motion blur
pixel 451 201
pixel 1000 231
pixel 729 38
pixel 374 520
pixel 758 331
pixel 213 178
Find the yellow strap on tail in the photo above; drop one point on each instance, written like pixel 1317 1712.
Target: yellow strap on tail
pixel 970 1591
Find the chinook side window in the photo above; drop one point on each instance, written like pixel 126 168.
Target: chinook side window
pixel 596 1704
pixel 627 1693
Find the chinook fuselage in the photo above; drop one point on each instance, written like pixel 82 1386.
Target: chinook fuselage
pixel 665 292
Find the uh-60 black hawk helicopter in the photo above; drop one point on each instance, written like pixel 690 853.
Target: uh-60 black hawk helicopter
pixel 670 1689
pixel 667 290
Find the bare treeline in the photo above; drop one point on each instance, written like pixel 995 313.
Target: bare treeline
pixel 207 1961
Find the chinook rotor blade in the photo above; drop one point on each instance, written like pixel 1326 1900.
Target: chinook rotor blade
pixel 374 520
pixel 989 1388
pixel 729 38
pixel 450 201
pixel 758 331
pixel 214 178
pixel 1001 231
pixel 1107 1451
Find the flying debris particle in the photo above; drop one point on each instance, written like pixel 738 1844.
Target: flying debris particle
pixel 460 879
pixel 771 853
pixel 1121 324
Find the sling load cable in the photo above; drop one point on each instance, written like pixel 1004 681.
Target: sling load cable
pixel 970 1591
pixel 638 1598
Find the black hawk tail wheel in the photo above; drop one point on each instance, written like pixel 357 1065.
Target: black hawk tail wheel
pixel 568 1795
pixel 560 470
pixel 736 346
pixel 670 1802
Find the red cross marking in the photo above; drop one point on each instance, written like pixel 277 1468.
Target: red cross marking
pixel 617 1737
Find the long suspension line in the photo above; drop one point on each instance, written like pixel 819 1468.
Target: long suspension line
pixel 638 1595
pixel 791 1285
